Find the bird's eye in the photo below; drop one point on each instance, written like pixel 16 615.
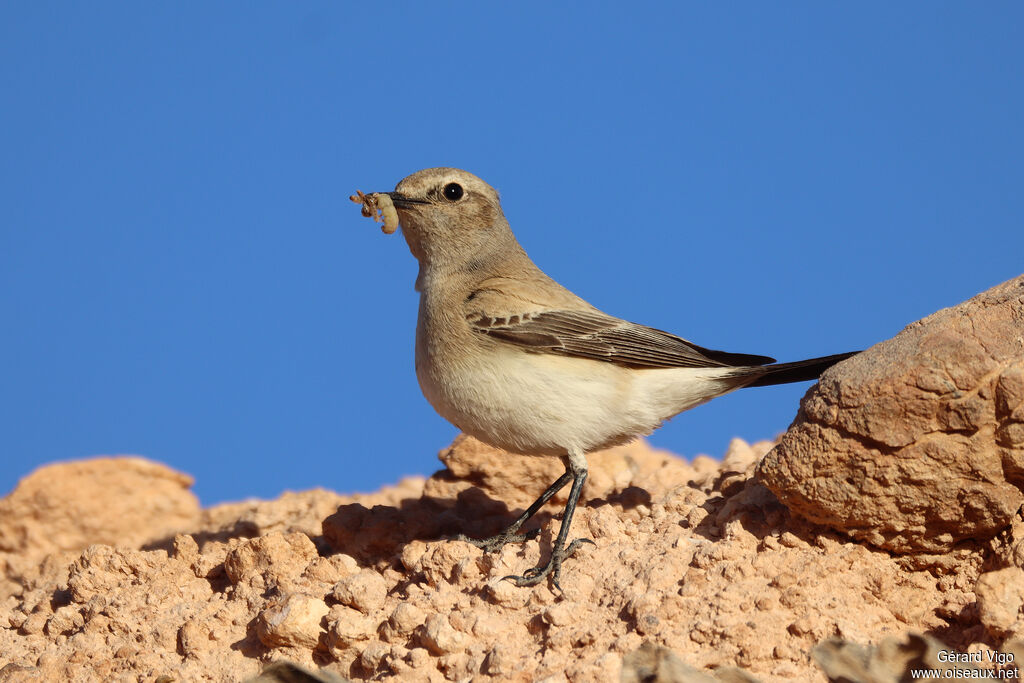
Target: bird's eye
pixel 453 192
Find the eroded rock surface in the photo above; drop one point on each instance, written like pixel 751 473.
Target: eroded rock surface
pixel 65 507
pixel 699 561
pixel 917 443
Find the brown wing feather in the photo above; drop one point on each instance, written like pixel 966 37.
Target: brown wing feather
pixel 597 336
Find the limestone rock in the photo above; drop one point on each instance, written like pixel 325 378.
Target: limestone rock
pixel 1000 598
pixel 365 591
pixel 271 560
pixel 118 501
pixel 917 443
pixel 293 620
pixel 700 560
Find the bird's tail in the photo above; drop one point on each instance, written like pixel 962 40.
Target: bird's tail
pixel 797 371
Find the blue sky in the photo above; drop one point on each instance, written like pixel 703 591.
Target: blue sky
pixel 183 277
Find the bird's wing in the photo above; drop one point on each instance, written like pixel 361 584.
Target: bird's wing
pixel 588 333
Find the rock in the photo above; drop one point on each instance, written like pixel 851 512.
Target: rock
pixel 439 637
pixel 917 443
pixel 69 506
pixel 367 534
pixel 115 609
pixel 475 466
pixel 346 626
pixel 1000 598
pixel 275 559
pixel 365 591
pixel 291 512
pixel 405 618
pixel 293 620
pixel 700 560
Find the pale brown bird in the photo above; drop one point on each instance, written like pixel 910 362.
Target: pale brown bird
pixel 511 357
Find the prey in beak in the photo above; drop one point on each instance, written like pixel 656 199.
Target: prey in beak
pixel 386 203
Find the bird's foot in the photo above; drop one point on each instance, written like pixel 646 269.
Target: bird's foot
pixel 495 543
pixel 553 568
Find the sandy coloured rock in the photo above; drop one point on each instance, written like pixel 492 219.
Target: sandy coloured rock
pixel 270 560
pixel 57 508
pixel 699 559
pixel 917 443
pixel 364 591
pixel 293 620
pixel 1000 599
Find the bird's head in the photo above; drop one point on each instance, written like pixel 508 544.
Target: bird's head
pixel 449 216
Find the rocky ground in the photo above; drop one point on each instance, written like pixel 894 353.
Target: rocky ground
pixel 109 570
pixel 699 558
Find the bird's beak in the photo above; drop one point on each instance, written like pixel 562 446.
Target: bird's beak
pixel 402 202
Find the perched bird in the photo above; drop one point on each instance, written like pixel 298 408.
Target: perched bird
pixel 511 357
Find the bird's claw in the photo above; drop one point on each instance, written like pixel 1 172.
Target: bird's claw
pixel 553 568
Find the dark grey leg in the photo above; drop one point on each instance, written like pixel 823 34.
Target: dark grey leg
pixel 509 535
pixel 576 469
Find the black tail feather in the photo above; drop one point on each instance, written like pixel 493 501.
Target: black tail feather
pixel 798 371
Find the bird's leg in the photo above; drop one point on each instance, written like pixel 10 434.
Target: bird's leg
pixel 576 469
pixel 510 534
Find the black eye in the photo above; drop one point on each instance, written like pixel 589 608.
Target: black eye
pixel 453 192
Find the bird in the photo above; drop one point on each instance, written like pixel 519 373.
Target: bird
pixel 509 356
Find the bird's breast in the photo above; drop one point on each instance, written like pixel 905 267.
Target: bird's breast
pixel 528 403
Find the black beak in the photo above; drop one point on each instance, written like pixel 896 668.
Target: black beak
pixel 403 202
